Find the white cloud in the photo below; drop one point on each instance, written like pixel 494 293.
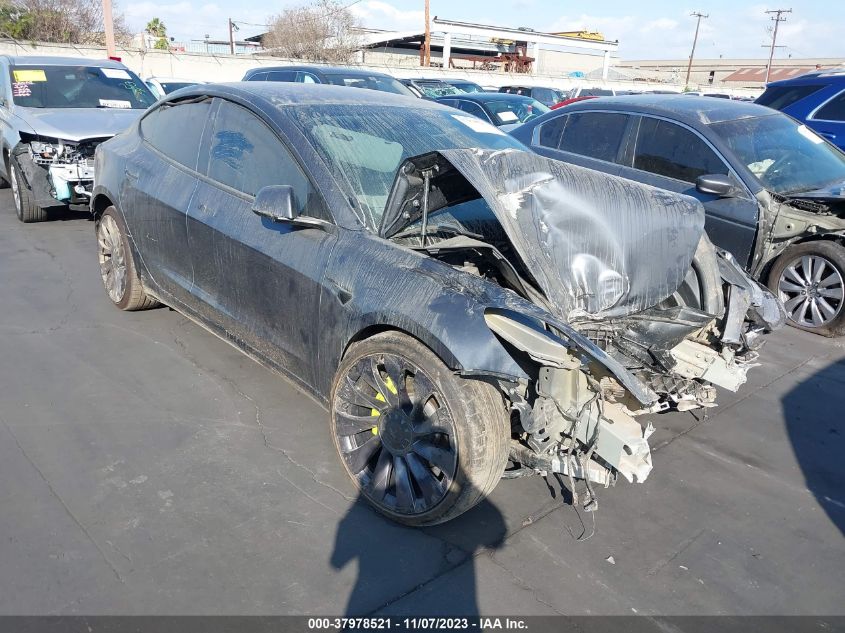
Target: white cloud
pixel 377 14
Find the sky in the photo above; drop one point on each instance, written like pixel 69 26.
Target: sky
pixel 660 29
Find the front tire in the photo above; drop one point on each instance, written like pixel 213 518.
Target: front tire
pixel 421 444
pixel 25 207
pixel 809 279
pixel 117 266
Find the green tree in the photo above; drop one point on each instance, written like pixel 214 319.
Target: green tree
pixel 156 28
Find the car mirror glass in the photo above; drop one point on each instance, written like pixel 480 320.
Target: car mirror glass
pixel 276 203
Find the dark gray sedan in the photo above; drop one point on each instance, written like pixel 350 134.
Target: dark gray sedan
pixel 774 190
pixel 456 300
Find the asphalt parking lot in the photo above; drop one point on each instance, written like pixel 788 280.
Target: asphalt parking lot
pixel 148 467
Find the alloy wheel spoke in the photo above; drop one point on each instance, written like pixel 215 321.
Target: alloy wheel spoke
pixel 790 305
pixel 807 268
pixel 787 286
pixel 831 280
pixel 444 459
pixel 805 306
pixel 397 371
pixel 380 385
pixel 829 310
pixel 352 393
pixel 831 293
pixel 358 457
pixel 818 319
pixel 381 474
pixel 404 489
pixel 351 424
pixel 425 479
pixel 820 267
pixel 797 278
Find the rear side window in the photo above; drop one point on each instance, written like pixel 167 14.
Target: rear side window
pixel 258 77
pixel 551 132
pixel 596 92
pixel 246 155
pixel 281 75
pixel 594 134
pixel 474 109
pixel 670 150
pixel 833 110
pixel 176 130
pixel 780 97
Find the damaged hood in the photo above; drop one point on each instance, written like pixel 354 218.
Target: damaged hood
pixel 76 124
pixel 830 199
pixel 599 246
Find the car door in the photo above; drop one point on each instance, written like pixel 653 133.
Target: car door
pixel 672 156
pixel 591 139
pixel 829 120
pixel 258 281
pixel 159 182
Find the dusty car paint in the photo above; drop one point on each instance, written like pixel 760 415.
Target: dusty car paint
pixel 576 319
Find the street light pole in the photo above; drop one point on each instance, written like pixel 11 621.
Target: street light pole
pixel 427 36
pixel 231 37
pixel 698 15
pixel 778 19
pixel 108 28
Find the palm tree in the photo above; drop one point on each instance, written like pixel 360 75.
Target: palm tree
pixel 156 28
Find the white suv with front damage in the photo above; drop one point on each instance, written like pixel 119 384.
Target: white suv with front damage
pixel 54 111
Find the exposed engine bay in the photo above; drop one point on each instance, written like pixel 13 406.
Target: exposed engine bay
pixel 643 318
pixel 67 167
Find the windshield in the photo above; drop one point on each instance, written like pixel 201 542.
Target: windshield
pixel 468 87
pixel 437 89
pixel 785 156
pixel 364 145
pixel 511 111
pixel 78 87
pixel 371 82
pixel 173 86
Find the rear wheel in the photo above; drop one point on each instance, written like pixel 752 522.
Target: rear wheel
pixel 25 206
pixel 117 267
pixel 422 444
pixel 809 279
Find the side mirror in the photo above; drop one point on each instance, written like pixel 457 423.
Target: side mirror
pixel 276 203
pixel 716 184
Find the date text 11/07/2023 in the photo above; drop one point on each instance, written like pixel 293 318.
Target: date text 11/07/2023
pixel 417 624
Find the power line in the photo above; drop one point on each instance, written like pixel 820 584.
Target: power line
pixel 698 15
pixel 778 18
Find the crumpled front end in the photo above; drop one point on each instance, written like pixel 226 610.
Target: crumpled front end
pixel 58 171
pixel 624 307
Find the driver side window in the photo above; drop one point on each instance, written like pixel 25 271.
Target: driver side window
pixel 670 150
pixel 246 155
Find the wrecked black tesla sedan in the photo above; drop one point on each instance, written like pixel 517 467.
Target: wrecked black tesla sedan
pixel 457 301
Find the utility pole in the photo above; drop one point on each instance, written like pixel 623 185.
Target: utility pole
pixel 427 45
pixel 698 15
pixel 777 17
pixel 108 27
pixel 231 36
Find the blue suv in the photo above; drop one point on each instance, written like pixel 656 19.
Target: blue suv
pixel 816 99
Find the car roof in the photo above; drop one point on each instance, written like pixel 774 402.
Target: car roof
pixel 683 108
pixel 271 95
pixel 347 70
pixel 830 76
pixel 524 87
pixel 43 60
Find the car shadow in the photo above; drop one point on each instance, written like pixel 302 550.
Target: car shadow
pixel 814 416
pixel 391 564
pixel 72 213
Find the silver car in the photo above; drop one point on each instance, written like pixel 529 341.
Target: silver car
pixel 53 112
